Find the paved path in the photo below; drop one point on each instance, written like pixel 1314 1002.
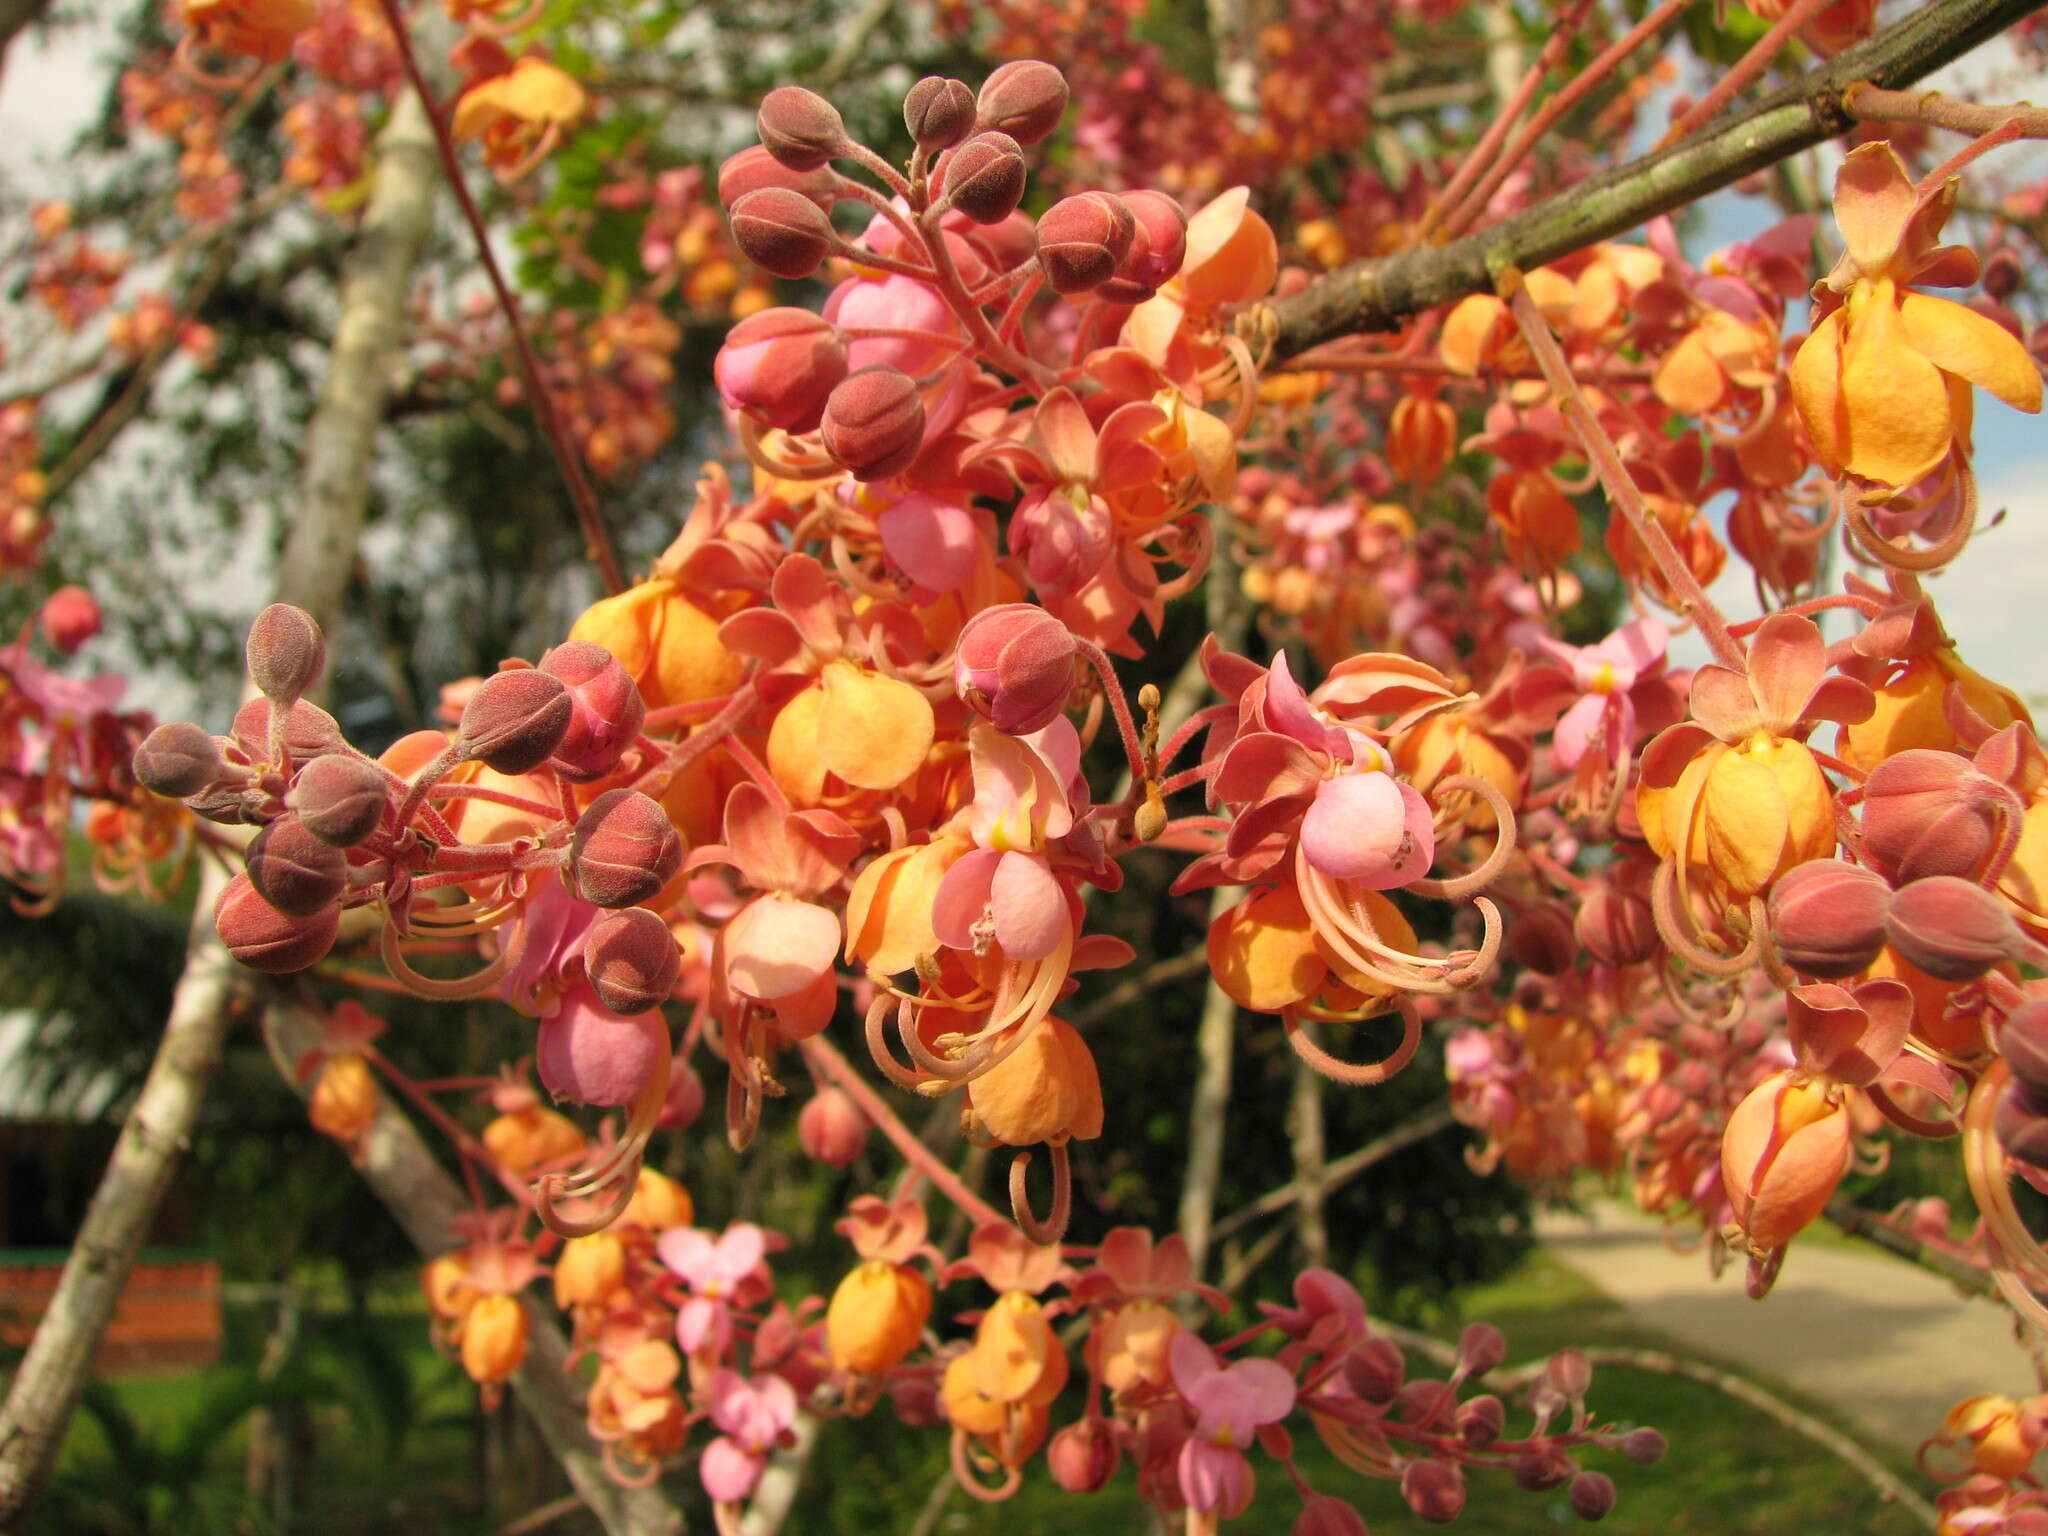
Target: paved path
pixel 1887 1345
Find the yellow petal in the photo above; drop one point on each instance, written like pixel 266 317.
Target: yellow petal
pixel 1959 340
pixel 1689 380
pixel 874 731
pixel 1745 822
pixel 1900 418
pixel 1817 391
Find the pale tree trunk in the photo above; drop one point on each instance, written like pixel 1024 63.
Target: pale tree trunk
pixel 14 16
pixel 1305 1133
pixel 319 553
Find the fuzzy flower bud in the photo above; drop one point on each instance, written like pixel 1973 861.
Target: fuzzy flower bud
pixel 874 422
pixel 1323 1515
pixel 1159 244
pixel 1083 1456
pixel 1481 1347
pixel 1828 917
pixel 1644 1447
pixel 1591 1495
pixel 1538 1470
pixel 286 652
pixel 1921 818
pixel 178 759
pixel 2023 1042
pixel 69 618
pixel 754 168
pixel 782 232
pixel 308 730
pixel 1435 1490
pixel 780 365
pixel 1479 1421
pixel 265 939
pixel 800 128
pixel 584 1055
pixel 632 960
pixel 1616 926
pixel 1025 99
pixel 339 799
pixel 985 177
pixel 1081 239
pixel 605 709
pixel 685 1093
pixel 1014 666
pixel 2020 1122
pixel 515 720
pixel 1541 938
pixel 1375 1369
pixel 295 871
pixel 624 849
pixel 831 1128
pixel 493 1338
pixel 939 112
pixel 1952 929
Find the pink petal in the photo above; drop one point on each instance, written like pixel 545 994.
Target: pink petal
pixel 1787 660
pixel 1214 1477
pixel 1264 765
pixel 698 1319
pixel 728 1473
pixel 1190 1362
pixel 774 947
pixel 1575 730
pixel 587 1053
pixel 1265 1390
pixel 932 542
pixel 1361 828
pixel 1030 909
pixel 963 897
pixel 684 1250
pixel 1064 437
pixel 739 1250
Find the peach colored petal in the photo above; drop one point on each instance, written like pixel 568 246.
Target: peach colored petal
pixel 1817 391
pixel 1900 418
pixel 874 731
pixel 1874 199
pixel 1961 341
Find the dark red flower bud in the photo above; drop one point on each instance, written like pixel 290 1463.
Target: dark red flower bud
pixel 2020 1122
pixel 1083 1456
pixel 339 799
pixel 1435 1490
pixel 1014 666
pixel 1569 1373
pixel 780 365
pixel 1616 926
pixel 1481 1347
pixel 2003 273
pixel 1479 1421
pixel 178 759
pixel 831 1128
pixel 1538 1470
pixel 1159 244
pixel 754 168
pixel 1828 917
pixel 515 720
pixel 1542 940
pixel 800 128
pixel 1081 239
pixel 2023 1042
pixel 308 731
pixel 985 177
pixel 938 111
pixel 293 870
pixel 624 849
pixel 1591 1495
pixel 69 618
pixel 606 709
pixel 1025 99
pixel 782 232
pixel 632 960
pixel 265 939
pixel 1323 1515
pixel 1375 1369
pixel 1922 818
pixel 286 652
pixel 1425 1401
pixel 1952 929
pixel 1643 1446
pixel 874 422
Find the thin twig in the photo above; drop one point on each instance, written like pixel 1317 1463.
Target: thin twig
pixel 1846 1215
pixel 1343 1170
pixel 1873 104
pixel 539 1519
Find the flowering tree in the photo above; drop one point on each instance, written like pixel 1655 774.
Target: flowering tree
pixel 834 794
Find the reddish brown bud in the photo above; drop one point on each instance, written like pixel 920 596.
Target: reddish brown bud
pixel 1025 99
pixel 293 870
pixel 1159 244
pixel 340 799
pixel 1375 1369
pixel 1591 1495
pixel 632 960
pixel 1643 1446
pixel 780 365
pixel 1541 938
pixel 1922 818
pixel 2003 273
pixel 265 939
pixel 2023 1042
pixel 1569 1373
pixel 1952 929
pixel 1083 1456
pixel 1538 1470
pixel 1323 1515
pixel 606 709
pixel 985 177
pixel 831 1128
pixel 1828 917
pixel 800 128
pixel 1435 1490
pixel 69 618
pixel 938 111
pixel 1081 239
pixel 1427 1401
pixel 1616 926
pixel 1014 665
pixel 178 759
pixel 874 422
pixel 1479 1421
pixel 754 168
pixel 515 720
pixel 286 652
pixel 308 730
pixel 624 849
pixel 2020 1122
pixel 1481 1347
pixel 782 232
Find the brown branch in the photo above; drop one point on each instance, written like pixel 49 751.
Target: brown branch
pixel 1378 294
pixel 1344 1169
pixel 1851 1218
pixel 1160 973
pixel 541 1518
pixel 1872 104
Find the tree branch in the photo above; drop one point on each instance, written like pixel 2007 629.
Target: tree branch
pixel 1376 295
pixel 1958 1271
pixel 1343 1170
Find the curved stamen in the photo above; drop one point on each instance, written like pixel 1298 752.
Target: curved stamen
pixel 969 1479
pixel 427 986
pixel 1352 1074
pixel 1457 887
pixel 1048 1232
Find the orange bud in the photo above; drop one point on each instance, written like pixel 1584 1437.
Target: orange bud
pixel 875 1317
pixel 493 1338
pixel 344 1101
pixel 1785 1149
pixel 589 1268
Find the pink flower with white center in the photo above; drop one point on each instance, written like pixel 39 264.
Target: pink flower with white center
pixel 1604 677
pixel 1005 890
pixel 1231 1404
pixel 756 1413
pixel 716 1271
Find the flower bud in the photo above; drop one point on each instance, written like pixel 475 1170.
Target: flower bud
pixel 1422 438
pixel 939 112
pixel 178 759
pixel 632 961
pixel 1828 917
pixel 295 871
pixel 1083 1456
pixel 1616 926
pixel 69 618
pixel 1481 1347
pixel 800 128
pixel 2020 1122
pixel 1591 1495
pixel 1323 1515
pixel 624 849
pixel 1951 929
pixel 286 652
pixel 339 799
pixel 2023 1042
pixel 1375 1369
pixel 1025 99
pixel 1783 1151
pixel 1569 1373
pixel 1425 1401
pixel 1920 817
pixel 1643 1446
pixel 1479 1421
pixel 1538 1470
pixel 831 1128
pixel 782 232
pixel 493 1338
pixel 876 1316
pixel 515 720
pixel 1159 244
pixel 1435 1490
pixel 265 939
pixel 1081 239
pixel 1541 938
pixel 779 365
pixel 1014 666
pixel 874 422
pixel 606 709
pixel 754 168
pixel 343 1103
pixel 589 1269
pixel 584 1054
pixel 308 730
pixel 2003 273
pixel 985 177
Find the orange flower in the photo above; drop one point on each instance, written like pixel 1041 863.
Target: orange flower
pixel 876 1316
pixel 344 1102
pixel 1883 383
pixel 1784 1151
pixel 668 644
pixel 520 115
pixel 256 29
